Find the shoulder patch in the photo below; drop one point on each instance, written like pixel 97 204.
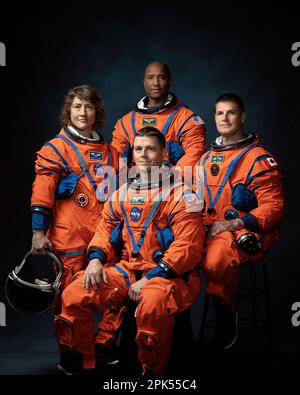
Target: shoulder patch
pixel 192 202
pixel 189 198
pixel 262 164
pixel 270 162
pixel 197 120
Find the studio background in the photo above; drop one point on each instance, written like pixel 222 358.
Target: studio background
pixel 211 49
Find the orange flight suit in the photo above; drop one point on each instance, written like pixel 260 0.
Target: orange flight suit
pixel 184 132
pixel 72 221
pixel 144 211
pixel 242 181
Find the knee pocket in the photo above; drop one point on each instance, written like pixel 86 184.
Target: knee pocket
pixel 63 330
pixel 158 299
pixel 110 297
pixel 148 348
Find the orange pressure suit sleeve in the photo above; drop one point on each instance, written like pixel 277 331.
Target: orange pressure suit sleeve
pixel 185 252
pixel 191 135
pixel 120 140
pixel 49 168
pixel 100 246
pixel 268 189
pixel 114 157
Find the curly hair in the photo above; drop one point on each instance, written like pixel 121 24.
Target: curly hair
pixel 83 92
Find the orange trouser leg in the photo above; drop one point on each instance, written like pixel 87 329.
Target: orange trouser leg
pixel 109 325
pixel 72 265
pixel 75 326
pixel 219 267
pixel 220 263
pixel 155 315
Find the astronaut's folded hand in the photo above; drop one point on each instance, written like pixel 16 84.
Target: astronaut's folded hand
pixel 217 227
pixel 223 226
pixel 135 289
pixel 92 275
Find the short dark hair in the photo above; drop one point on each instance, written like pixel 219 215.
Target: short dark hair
pixel 165 66
pixel 83 92
pixel 150 131
pixel 232 97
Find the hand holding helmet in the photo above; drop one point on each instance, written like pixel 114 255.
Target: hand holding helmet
pixel 40 243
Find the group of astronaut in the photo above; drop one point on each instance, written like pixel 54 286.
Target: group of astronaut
pixel 147 239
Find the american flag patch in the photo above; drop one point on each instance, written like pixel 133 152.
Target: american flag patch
pixel 197 120
pixel 189 198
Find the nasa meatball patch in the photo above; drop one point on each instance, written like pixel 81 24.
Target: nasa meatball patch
pixel 135 214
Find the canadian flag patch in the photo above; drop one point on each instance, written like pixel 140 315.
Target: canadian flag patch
pixel 270 162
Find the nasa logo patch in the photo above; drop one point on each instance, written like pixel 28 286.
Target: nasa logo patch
pixel 135 214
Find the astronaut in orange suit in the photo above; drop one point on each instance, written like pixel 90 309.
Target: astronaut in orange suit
pixel 71 185
pixel 184 132
pixel 183 129
pixel 163 240
pixel 244 201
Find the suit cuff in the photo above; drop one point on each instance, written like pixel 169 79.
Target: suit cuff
pixel 96 253
pixel 250 222
pixel 167 268
pixel 40 218
pixel 156 272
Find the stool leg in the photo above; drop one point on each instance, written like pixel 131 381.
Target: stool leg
pixel 203 320
pixel 254 312
pixel 268 305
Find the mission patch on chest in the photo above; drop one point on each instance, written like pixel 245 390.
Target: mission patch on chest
pixel 149 121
